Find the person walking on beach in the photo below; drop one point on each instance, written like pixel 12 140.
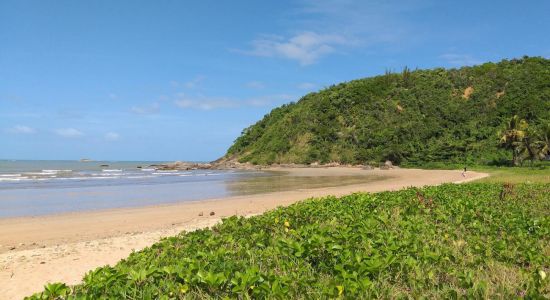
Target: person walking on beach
pixel 464 172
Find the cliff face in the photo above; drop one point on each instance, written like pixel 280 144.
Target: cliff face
pixel 450 115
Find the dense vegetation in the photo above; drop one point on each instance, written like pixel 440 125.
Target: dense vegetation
pixel 526 142
pixel 412 117
pixel 474 240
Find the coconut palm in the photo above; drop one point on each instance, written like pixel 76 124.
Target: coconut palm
pixel 535 144
pixel 543 138
pixel 512 137
pixel 531 147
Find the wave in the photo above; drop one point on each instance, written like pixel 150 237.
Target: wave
pixel 111 170
pixel 166 173
pixel 10 175
pixel 39 173
pixel 56 171
pixel 13 179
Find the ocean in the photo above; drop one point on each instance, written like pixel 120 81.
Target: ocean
pixel 32 188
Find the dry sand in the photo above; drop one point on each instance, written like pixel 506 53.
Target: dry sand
pixel 38 250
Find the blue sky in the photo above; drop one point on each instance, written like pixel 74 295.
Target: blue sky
pixel 179 80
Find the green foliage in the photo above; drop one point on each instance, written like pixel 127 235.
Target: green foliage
pixel 513 136
pixel 451 241
pixel 413 117
pixel 526 142
pixel 54 291
pixel 537 174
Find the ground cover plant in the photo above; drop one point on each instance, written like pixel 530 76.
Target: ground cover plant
pixel 540 174
pixel 477 240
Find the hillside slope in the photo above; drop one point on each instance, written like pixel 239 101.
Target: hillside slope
pixel 411 117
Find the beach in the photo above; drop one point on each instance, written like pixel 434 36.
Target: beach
pixel 63 247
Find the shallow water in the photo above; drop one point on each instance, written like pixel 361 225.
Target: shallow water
pixel 31 188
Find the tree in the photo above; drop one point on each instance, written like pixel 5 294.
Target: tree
pixel 512 137
pixel 535 144
pixel 543 138
pixel 530 146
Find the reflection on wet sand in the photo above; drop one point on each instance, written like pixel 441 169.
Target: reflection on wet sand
pixel 284 181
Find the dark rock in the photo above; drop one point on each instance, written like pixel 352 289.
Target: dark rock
pixel 212 213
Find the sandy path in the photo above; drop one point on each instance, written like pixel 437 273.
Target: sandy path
pixel 37 250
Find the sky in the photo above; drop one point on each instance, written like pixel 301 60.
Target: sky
pixel 180 80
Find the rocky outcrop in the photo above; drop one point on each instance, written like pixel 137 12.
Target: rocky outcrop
pixel 181 165
pixel 387 165
pixel 218 165
pixel 228 164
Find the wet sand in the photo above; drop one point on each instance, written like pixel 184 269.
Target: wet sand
pixel 37 250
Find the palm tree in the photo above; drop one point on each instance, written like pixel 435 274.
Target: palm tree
pixel 530 146
pixel 512 137
pixel 543 138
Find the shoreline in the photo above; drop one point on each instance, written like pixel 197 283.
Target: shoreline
pixel 37 250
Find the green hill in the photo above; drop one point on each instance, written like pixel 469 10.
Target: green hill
pixel 412 117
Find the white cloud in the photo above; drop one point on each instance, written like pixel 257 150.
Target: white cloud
pixel 203 103
pixel 306 47
pixel 459 59
pixel 255 85
pixel 269 100
pixel 191 84
pixel 146 110
pixel 112 136
pixel 318 28
pixel 22 129
pixel 211 103
pixel 69 132
pixel 306 86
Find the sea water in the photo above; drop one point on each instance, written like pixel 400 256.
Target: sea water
pixel 31 188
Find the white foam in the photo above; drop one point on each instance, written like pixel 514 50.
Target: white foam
pixel 165 173
pixel 111 170
pixel 10 175
pixel 212 174
pixel 56 171
pixel 148 170
pixel 12 179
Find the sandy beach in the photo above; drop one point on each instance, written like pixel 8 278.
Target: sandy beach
pixel 37 250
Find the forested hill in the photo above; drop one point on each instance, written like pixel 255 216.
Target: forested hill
pixel 412 117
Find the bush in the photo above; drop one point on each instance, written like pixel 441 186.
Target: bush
pixel 472 240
